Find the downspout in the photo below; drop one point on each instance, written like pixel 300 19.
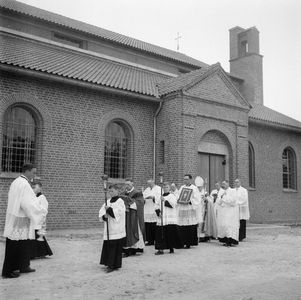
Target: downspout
pixel 155 133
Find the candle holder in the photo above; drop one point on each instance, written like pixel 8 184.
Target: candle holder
pixel 105 188
pixel 161 177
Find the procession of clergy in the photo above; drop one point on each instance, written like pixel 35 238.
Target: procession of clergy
pixel 170 219
pixel 160 215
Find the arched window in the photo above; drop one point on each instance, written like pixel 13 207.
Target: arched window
pixel 251 166
pixel 117 150
pixel 19 146
pixel 289 169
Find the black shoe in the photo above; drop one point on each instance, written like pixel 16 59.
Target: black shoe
pixel 227 245
pixel 27 270
pixel 149 244
pixel 159 252
pixel 187 247
pixel 110 269
pixel 10 275
pixel 171 250
pixel 124 255
pixel 204 239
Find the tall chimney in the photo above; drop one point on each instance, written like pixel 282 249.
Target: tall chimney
pixel 246 62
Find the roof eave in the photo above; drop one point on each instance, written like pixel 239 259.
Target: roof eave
pixel 273 124
pixel 76 82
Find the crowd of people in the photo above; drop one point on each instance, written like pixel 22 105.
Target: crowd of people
pixel 169 218
pixel 161 216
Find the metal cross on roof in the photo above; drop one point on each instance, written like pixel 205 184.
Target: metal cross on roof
pixel 178 41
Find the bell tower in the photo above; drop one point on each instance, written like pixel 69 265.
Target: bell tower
pixel 246 62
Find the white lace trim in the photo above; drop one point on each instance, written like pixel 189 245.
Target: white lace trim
pixel 150 218
pixel 19 234
pixel 187 217
pixel 229 232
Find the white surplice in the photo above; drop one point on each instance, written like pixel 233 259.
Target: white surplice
pixel 44 203
pixel 243 201
pixel 116 224
pixel 228 215
pixel 23 211
pixel 189 214
pixel 218 193
pixel 149 205
pixel 169 215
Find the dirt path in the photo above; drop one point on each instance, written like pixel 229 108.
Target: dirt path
pixel 267 266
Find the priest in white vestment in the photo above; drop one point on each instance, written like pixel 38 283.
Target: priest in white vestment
pixel 167 233
pixel 39 248
pixel 188 217
pixel 174 190
pixel 150 194
pixel 228 216
pixel 22 214
pixel 215 194
pixel 113 214
pixel 244 213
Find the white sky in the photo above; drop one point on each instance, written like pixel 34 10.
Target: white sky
pixel 204 29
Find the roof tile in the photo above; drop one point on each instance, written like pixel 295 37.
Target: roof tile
pixel 263 113
pixel 97 31
pixel 176 84
pixel 52 59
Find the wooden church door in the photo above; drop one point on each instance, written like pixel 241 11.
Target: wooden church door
pixel 212 167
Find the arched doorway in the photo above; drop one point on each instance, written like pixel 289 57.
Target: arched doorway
pixel 213 158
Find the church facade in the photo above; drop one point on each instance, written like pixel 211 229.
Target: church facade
pixel 80 102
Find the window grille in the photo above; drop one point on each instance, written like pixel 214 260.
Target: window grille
pixel 289 169
pixel 251 166
pixel 116 158
pixel 19 139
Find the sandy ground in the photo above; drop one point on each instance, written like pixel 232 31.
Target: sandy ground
pixel 266 266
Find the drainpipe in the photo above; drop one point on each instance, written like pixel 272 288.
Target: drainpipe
pixel 155 133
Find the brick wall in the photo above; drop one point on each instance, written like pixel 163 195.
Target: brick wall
pixel 169 129
pixel 74 121
pixel 249 67
pixel 268 201
pixel 184 121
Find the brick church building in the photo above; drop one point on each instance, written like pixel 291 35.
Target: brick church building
pixel 80 101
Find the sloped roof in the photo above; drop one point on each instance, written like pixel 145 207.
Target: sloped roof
pixel 188 82
pixel 178 83
pixel 73 64
pixel 98 32
pixel 263 113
